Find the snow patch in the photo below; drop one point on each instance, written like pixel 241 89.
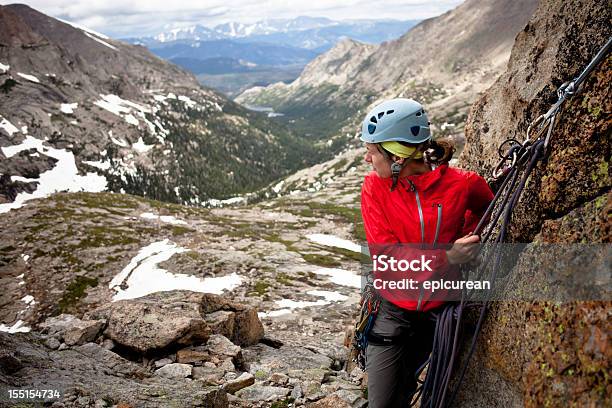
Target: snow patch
pixel 277 188
pixel 68 108
pixel 118 142
pixel 340 276
pixel 8 126
pixel 190 103
pixel 143 276
pixel 163 218
pixel 31 78
pixel 213 202
pixel 112 47
pixel 28 299
pixel 63 177
pixel 18 327
pixel 334 241
pixel 102 165
pixel 80 27
pixel 288 305
pixel 122 108
pixel 141 147
pixel 4 68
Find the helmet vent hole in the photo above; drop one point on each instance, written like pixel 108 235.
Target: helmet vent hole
pixel 390 111
pixel 380 114
pixel 373 119
pixel 371 129
pixel 415 130
pixel 418 114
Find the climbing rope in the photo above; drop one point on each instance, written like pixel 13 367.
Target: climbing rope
pixel 509 179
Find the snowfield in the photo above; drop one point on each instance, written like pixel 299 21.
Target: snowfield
pixel 63 177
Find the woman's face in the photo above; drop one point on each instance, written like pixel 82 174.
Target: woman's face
pixel 380 164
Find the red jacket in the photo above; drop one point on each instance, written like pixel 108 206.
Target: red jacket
pixel 452 201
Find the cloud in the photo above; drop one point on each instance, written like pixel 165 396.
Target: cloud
pixel 119 18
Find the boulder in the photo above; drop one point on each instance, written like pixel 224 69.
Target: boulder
pixel 332 401
pixel 244 380
pixel 263 393
pixel 162 319
pixel 71 329
pixel 221 346
pixel 9 363
pixel 155 321
pixel 163 362
pixel 353 398
pixel 89 372
pixel 105 358
pixel 247 328
pixel 57 325
pixel 193 355
pixel 175 371
pixel 264 360
pixel 279 379
pixel 83 332
pixel 52 343
pixel 208 375
pixel 222 322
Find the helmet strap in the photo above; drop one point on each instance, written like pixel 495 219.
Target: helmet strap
pixel 396 168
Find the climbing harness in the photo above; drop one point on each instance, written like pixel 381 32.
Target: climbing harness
pixel 370 304
pixel 509 179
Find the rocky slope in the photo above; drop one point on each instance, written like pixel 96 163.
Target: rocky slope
pixel 444 62
pixel 548 353
pixel 74 253
pixel 97 113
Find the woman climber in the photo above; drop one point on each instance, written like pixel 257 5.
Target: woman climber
pixel 412 198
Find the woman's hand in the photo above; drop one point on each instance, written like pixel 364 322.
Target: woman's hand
pixel 464 250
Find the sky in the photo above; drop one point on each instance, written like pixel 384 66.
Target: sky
pixel 120 18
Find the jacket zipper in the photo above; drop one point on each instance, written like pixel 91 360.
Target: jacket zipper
pixel 438 225
pixel 418 201
pixel 435 241
pixel 422 220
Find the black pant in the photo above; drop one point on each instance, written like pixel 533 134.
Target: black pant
pixel 391 368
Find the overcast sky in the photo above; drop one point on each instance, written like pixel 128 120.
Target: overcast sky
pixel 120 18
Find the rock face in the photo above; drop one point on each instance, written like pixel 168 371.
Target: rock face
pixel 164 319
pixel 546 353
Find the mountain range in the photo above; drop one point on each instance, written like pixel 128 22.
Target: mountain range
pixel 232 57
pixel 311 33
pixel 76 104
pixel 444 62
